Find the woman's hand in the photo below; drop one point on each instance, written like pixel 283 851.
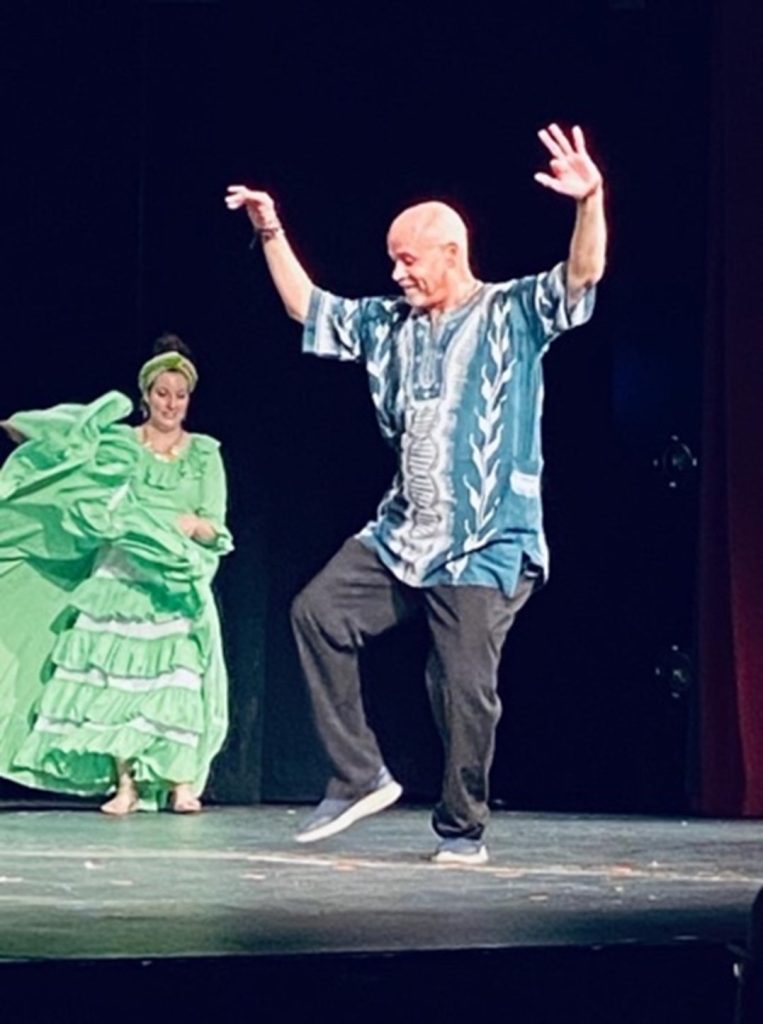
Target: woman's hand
pixel 13 434
pixel 195 527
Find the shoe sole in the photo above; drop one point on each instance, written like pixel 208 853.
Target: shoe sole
pixel 460 858
pixel 371 804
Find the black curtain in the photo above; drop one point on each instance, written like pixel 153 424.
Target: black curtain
pixel 732 537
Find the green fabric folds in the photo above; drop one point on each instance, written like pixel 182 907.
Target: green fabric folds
pixel 110 641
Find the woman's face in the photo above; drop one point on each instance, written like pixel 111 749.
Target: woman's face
pixel 168 400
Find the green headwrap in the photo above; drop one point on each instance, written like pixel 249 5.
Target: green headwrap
pixel 166 361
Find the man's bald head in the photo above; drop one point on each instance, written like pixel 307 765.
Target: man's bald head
pixel 431 223
pixel 429 248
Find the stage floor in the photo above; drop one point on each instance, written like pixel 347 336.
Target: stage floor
pixel 232 881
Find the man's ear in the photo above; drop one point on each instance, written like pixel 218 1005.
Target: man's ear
pixel 451 252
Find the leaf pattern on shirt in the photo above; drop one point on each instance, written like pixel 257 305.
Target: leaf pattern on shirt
pixel 377 363
pixel 378 358
pixel 485 441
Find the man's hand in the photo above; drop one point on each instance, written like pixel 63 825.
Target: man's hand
pixel 573 172
pixel 293 284
pixel 259 206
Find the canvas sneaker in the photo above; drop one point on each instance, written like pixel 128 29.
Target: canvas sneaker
pixel 332 816
pixel 460 851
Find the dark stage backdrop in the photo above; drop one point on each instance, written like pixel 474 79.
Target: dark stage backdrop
pixel 123 124
pixel 732 538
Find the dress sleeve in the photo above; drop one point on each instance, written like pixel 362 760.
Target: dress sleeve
pixel 64 423
pixel 541 302
pixel 58 440
pixel 213 496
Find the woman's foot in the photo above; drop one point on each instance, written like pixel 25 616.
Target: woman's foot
pixel 125 800
pixel 183 800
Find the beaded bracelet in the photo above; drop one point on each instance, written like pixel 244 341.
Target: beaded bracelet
pixel 266 234
pixel 269 231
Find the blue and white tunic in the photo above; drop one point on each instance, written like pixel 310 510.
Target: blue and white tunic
pixel 460 401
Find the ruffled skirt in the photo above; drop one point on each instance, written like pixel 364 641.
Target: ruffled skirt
pixel 125 685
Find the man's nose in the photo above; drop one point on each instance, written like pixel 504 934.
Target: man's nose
pixel 398 271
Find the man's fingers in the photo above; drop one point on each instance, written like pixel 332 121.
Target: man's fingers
pixel 235 197
pixel 571 166
pixel 561 139
pixel 236 192
pixel 549 143
pixel 549 182
pixel 247 195
pixel 579 139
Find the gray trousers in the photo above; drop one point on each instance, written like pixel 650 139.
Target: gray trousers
pixel 355 597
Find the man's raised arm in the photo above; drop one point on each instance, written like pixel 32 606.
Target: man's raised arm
pixel 574 174
pixel 289 276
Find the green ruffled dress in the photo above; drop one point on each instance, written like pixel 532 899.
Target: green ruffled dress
pixel 110 642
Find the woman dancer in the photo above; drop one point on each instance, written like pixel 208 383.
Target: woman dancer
pixel 112 679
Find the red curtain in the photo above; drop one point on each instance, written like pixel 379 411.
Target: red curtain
pixel 731 589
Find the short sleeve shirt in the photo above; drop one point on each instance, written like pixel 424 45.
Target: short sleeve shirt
pixel 460 401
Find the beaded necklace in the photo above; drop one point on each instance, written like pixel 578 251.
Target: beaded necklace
pixel 167 454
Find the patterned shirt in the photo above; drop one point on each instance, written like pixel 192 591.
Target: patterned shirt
pixel 460 401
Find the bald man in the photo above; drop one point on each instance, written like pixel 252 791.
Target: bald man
pixel 454 368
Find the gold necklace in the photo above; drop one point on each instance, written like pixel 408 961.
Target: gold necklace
pixel 169 453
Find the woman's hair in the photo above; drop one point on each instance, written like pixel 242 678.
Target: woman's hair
pixel 165 345
pixel 168 342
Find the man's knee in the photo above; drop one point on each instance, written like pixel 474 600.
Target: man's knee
pixel 305 609
pixel 313 611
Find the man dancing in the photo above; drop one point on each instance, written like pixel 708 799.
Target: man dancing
pixel 454 368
